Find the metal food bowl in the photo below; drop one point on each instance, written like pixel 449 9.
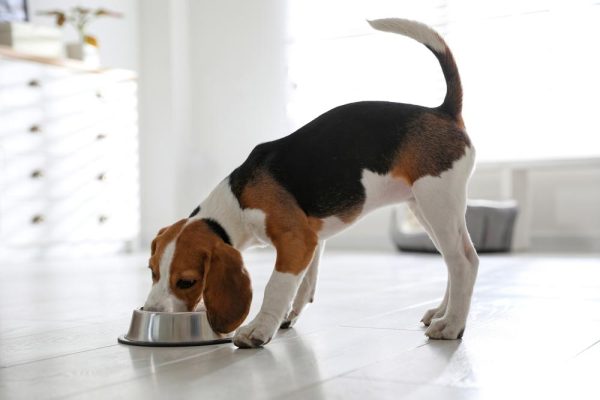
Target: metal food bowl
pixel 149 328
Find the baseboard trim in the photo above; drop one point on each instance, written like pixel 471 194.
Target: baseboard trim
pixel 553 243
pixel 544 243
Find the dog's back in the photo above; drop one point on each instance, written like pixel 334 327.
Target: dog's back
pixel 322 164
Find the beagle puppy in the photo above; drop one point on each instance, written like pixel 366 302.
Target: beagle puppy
pixel 295 192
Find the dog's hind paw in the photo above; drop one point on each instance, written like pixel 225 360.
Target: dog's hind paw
pixel 442 328
pixel 431 314
pixel 289 320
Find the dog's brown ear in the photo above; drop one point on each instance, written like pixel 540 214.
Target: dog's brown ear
pixel 153 244
pixel 227 291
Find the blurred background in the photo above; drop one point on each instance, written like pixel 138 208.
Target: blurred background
pixel 113 130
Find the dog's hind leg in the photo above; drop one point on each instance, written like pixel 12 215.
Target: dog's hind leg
pixel 306 292
pixel 442 205
pixel 438 311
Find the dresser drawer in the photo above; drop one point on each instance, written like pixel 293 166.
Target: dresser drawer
pixel 46 221
pixel 24 222
pixel 70 220
pixel 21 228
pixel 20 84
pixel 22 176
pixel 70 136
pixel 19 73
pixel 21 130
pixel 84 101
pixel 19 96
pixel 70 84
pixel 34 176
pixel 117 218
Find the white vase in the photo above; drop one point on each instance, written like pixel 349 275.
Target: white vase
pixel 84 52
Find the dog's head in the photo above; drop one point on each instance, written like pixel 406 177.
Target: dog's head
pixel 191 264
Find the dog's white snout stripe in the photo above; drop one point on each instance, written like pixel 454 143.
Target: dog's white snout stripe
pixel 161 298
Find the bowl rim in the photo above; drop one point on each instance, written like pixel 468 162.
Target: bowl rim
pixel 141 310
pixel 123 339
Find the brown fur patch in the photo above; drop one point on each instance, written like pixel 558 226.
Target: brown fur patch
pixel 228 291
pixel 433 144
pixel 160 242
pixel 193 249
pixel 220 276
pixel 293 234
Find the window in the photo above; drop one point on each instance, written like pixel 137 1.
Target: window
pixel 529 68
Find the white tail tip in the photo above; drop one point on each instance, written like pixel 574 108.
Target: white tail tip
pixel 412 29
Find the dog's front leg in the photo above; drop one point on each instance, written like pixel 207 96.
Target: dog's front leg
pixel 279 293
pixel 294 254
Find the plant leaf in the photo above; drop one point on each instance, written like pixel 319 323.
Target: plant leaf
pixel 103 12
pixel 82 10
pixel 90 40
pixel 60 16
pixel 49 12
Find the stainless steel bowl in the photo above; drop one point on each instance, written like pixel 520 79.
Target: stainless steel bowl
pixel 150 328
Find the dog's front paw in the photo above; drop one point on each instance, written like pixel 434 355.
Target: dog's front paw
pixel 257 333
pixel 443 328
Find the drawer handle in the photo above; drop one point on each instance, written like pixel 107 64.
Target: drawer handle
pixel 37 219
pixel 35 129
pixel 102 219
pixel 34 83
pixel 37 174
pixel 101 136
pixel 101 176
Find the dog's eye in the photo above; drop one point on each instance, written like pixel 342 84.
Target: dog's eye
pixel 185 284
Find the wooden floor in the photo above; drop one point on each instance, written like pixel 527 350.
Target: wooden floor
pixel 534 332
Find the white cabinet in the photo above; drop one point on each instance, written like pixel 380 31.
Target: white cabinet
pixel 68 160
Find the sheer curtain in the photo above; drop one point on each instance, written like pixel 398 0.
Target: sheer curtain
pixel 530 68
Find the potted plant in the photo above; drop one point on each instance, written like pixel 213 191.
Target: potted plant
pixel 86 48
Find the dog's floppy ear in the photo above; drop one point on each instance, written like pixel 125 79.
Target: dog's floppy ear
pixel 153 244
pixel 227 291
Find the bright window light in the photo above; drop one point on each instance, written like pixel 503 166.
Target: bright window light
pixel 529 68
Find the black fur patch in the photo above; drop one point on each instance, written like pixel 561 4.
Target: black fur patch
pixel 217 229
pixel 196 211
pixel 321 164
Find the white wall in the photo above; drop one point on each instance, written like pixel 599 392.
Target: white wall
pixel 239 87
pixel 161 130
pixel 212 84
pixel 118 38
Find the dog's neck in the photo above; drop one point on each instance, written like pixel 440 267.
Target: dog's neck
pixel 223 209
pixel 218 230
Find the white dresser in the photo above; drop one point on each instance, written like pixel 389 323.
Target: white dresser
pixel 68 159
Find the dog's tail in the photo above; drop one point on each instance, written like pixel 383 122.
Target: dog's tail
pixel 452 104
